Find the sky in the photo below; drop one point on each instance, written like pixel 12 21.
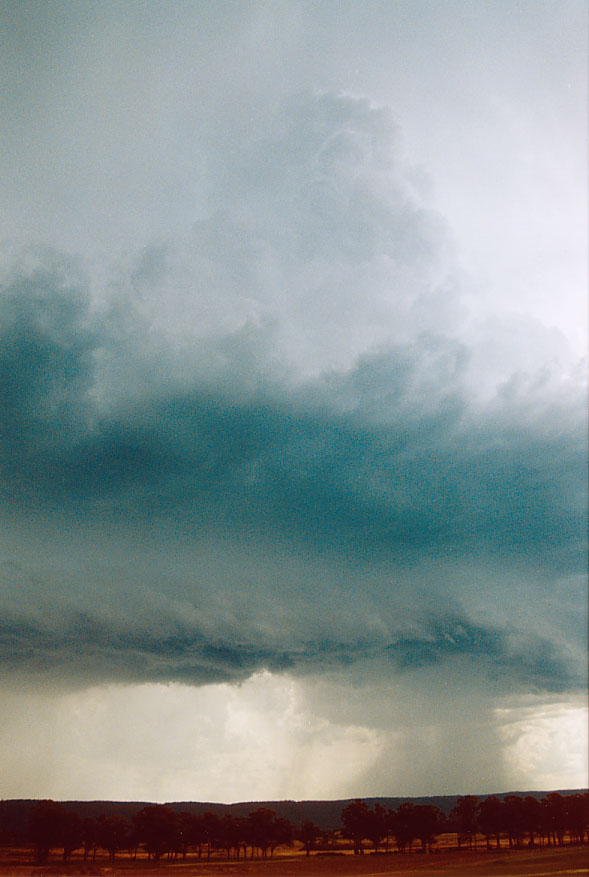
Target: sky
pixel 293 465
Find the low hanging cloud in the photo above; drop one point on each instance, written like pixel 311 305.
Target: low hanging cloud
pixel 274 442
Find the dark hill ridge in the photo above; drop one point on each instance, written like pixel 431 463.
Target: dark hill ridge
pixel 326 814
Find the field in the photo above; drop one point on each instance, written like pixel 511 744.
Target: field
pixel 538 862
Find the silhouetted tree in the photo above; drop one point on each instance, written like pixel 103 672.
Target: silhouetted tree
pixel 403 826
pixel 308 834
pixel 190 832
pixel 113 834
pixel 427 821
pixel 227 834
pixel 531 818
pixel 491 819
pixel 71 833
pixel 241 830
pixel 210 831
pixel 3 831
pixel 355 819
pixel 281 833
pixel 261 829
pixel 464 816
pixel 376 826
pixel 555 816
pixel 158 828
pixel 133 841
pixel 514 819
pixel 45 823
pixel 577 808
pixel 89 836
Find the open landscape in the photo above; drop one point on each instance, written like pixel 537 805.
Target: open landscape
pixel 292 862
pixel 511 834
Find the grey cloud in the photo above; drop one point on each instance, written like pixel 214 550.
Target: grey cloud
pixel 315 235
pixel 390 463
pixel 62 645
pixel 46 349
pixel 408 463
pixel 280 411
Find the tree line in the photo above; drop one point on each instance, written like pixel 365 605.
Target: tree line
pixel 519 820
pixel 159 830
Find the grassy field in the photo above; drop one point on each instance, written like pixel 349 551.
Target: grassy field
pixel 538 862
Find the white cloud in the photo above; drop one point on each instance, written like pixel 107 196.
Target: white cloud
pixel 174 742
pixel 547 742
pixel 275 737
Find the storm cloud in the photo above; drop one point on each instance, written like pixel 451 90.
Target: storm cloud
pixel 371 487
pixel 285 434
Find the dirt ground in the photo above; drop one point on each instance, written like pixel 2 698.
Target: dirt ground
pixel 569 860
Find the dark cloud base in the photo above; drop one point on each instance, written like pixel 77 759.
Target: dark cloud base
pixel 84 648
pixel 397 474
